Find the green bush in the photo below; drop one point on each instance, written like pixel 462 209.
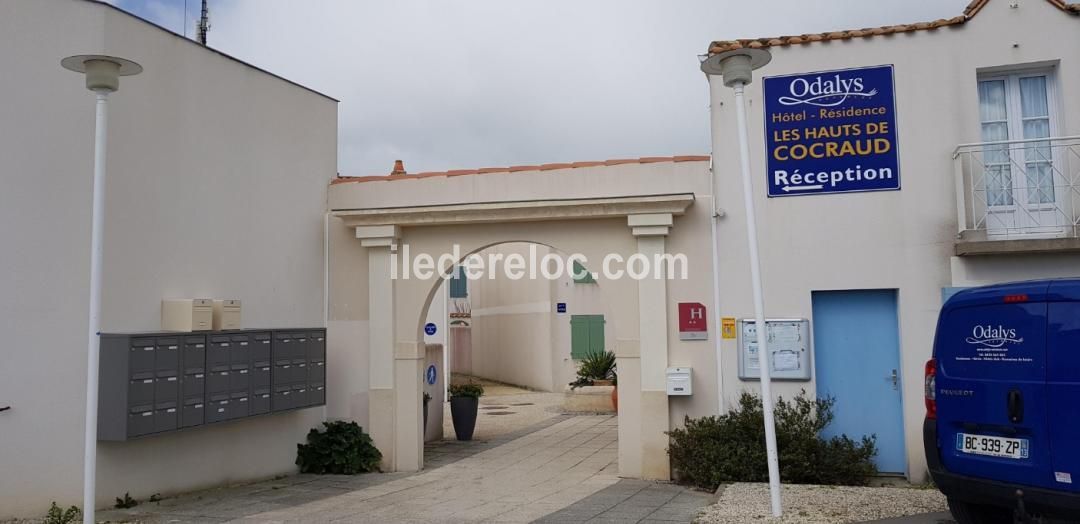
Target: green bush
pixel 595 365
pixel 471 389
pixel 342 449
pixel 62 516
pixel 731 448
pixel 126 502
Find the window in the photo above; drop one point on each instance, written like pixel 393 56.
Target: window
pixel 459 284
pixel 1015 107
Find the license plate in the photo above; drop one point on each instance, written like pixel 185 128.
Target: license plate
pixel 1013 448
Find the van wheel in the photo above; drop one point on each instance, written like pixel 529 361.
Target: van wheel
pixel 968 513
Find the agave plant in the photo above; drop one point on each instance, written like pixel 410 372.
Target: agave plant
pixel 595 365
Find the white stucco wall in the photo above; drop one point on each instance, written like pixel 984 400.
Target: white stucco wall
pixel 518 335
pixel 216 188
pixel 899 239
pixel 511 324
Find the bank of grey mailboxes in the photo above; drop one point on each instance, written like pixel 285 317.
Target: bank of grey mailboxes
pixel 160 382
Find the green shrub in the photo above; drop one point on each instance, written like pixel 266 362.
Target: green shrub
pixel 126 502
pixel 342 449
pixel 731 448
pixel 595 365
pixel 471 389
pixel 62 516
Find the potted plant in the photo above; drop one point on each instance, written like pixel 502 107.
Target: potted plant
pixel 464 403
pixel 597 368
pixel 615 391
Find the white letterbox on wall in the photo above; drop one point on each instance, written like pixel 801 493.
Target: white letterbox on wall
pixel 679 381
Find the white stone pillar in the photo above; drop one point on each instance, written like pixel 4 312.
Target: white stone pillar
pixel 651 231
pixel 381 369
pixel 408 424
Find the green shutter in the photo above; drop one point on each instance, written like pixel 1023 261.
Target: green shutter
pixel 586 276
pixel 586 335
pixel 596 334
pixel 459 284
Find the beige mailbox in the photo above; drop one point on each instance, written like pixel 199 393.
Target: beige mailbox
pixel 226 314
pixel 187 314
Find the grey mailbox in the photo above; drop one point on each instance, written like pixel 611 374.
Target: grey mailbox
pixel 153 383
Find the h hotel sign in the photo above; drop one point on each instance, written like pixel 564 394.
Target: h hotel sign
pixel 831 132
pixel 692 323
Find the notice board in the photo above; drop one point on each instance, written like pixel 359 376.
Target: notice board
pixel 789 343
pixel 831 132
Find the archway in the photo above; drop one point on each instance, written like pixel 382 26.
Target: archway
pixel 522 335
pixel 595 228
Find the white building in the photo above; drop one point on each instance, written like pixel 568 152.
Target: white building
pixel 216 188
pixel 870 269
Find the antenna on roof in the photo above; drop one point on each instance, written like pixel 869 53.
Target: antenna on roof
pixel 204 23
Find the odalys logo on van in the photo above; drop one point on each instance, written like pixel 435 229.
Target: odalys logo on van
pixel 993 336
pixel 993 344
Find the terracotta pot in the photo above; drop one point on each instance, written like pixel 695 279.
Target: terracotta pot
pixel 615 398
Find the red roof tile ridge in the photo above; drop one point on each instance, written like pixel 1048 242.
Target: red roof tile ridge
pixel 721 46
pixel 516 169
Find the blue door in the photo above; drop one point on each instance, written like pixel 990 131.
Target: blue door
pixel 857 362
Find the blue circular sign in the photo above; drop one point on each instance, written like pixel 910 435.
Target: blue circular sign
pixel 431 375
pixel 429 328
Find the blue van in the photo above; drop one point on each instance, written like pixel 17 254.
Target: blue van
pixel 1002 429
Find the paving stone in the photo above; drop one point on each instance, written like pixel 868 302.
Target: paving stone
pixel 513 478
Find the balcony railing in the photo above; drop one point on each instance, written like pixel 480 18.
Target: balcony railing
pixel 1018 189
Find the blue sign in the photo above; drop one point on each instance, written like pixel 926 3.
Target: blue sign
pixel 831 132
pixel 431 375
pixel 560 307
pixel 429 328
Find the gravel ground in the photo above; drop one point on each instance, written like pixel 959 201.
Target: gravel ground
pixel 808 504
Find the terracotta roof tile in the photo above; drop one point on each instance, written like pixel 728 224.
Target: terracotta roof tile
pixel 549 167
pixel 970 11
pixel 515 169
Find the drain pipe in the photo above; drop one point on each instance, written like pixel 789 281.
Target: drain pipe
pixel 326 268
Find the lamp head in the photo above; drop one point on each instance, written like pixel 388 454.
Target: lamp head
pixel 102 72
pixel 737 65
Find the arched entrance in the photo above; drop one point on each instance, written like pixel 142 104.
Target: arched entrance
pixel 594 228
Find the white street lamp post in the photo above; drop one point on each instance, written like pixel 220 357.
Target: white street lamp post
pixel 737 68
pixel 102 77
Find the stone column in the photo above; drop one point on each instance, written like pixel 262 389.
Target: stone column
pixel 381 369
pixel 408 428
pixel 651 231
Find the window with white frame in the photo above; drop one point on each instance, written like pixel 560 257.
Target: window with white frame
pixel 1015 107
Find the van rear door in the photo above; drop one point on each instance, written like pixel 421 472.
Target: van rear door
pixel 991 391
pixel 1063 382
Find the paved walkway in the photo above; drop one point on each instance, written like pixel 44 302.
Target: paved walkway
pixel 634 501
pixel 515 478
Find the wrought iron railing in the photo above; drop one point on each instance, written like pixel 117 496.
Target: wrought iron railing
pixel 1017 189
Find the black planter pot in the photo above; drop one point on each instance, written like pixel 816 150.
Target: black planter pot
pixel 463 411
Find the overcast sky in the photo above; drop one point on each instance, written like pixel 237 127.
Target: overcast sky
pixel 449 84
